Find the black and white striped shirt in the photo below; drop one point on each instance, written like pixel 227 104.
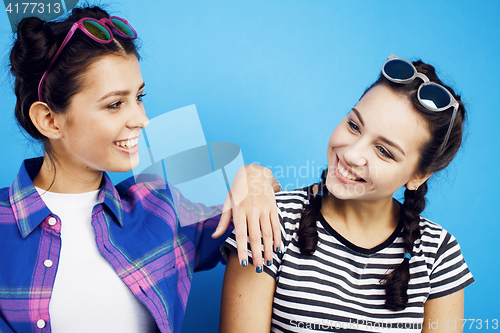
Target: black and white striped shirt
pixel 338 288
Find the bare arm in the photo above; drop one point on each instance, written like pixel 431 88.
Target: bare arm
pixel 447 310
pixel 247 299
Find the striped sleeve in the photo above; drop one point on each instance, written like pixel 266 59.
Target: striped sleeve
pixel 449 272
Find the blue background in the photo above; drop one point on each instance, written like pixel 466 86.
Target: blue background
pixel 277 76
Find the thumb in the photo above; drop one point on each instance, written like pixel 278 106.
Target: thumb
pixel 224 221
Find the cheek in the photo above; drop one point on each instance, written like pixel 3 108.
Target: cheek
pixel 390 177
pixel 337 137
pixel 90 134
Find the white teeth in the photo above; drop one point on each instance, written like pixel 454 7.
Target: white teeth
pixel 127 143
pixel 344 172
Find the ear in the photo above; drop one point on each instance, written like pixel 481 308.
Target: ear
pixel 45 120
pixel 414 183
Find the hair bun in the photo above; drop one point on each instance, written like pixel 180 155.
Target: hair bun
pixel 91 11
pixel 34 47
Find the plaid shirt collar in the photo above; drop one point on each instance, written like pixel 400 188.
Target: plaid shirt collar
pixel 29 208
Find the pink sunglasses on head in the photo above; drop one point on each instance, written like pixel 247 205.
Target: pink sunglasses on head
pixel 98 31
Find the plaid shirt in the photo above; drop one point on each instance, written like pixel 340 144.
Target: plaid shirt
pixel 137 230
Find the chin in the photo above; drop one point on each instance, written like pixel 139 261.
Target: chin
pixel 125 166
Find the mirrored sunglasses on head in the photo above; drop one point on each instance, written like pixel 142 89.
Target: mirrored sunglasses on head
pixel 432 96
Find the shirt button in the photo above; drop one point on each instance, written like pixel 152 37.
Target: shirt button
pixel 47 263
pixel 40 323
pixel 52 221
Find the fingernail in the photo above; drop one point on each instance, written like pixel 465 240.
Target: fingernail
pixel 278 249
pixel 269 263
pixel 244 263
pixel 259 269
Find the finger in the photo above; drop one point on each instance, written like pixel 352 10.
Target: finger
pixel 224 221
pixel 254 235
pixel 225 218
pixel 240 234
pixel 276 227
pixel 267 238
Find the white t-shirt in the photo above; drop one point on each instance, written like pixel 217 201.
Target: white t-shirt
pixel 338 288
pixel 88 296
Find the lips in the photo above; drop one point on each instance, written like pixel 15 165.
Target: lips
pixel 348 176
pixel 127 143
pixel 128 146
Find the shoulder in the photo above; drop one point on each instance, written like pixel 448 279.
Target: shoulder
pixel 132 190
pixel 430 231
pixel 438 245
pixel 446 266
pixel 293 201
pixel 291 205
pixel 434 235
pixel 135 200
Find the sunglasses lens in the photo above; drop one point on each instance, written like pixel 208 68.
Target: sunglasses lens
pixel 399 69
pixel 97 30
pixel 123 27
pixel 434 96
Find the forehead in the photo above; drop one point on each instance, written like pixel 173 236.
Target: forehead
pixel 112 72
pixel 392 116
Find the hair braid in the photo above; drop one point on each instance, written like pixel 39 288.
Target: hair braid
pixel 308 232
pixel 396 282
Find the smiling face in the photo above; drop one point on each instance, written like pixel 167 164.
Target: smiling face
pixel 99 131
pixel 376 148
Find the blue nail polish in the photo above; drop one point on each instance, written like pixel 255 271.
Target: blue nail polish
pixel 278 249
pixel 269 262
pixel 244 263
pixel 259 269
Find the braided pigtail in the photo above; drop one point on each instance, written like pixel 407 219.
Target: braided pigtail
pixel 308 233
pixel 396 282
pixel 434 157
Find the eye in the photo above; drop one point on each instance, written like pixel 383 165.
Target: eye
pixel 384 152
pixel 353 126
pixel 140 97
pixel 115 105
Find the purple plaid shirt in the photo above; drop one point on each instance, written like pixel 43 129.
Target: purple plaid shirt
pixel 137 230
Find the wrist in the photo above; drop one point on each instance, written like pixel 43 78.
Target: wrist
pixel 266 176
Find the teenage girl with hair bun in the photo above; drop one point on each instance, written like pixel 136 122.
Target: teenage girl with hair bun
pixel 79 254
pixel 353 258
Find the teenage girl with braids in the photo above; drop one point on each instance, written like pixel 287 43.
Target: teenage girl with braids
pixel 353 258
pixel 78 253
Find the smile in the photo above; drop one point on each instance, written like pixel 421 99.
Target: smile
pixel 127 144
pixel 346 174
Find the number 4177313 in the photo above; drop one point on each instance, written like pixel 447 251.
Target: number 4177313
pixel 33 8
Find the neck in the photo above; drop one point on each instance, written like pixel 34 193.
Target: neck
pixel 55 177
pixel 367 217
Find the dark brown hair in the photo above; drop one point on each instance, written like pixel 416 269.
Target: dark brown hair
pixel 36 43
pixel 431 161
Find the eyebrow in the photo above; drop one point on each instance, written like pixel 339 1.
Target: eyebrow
pixel 359 116
pixel 381 138
pixel 390 143
pixel 120 92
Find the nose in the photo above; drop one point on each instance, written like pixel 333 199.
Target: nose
pixel 138 118
pixel 355 154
